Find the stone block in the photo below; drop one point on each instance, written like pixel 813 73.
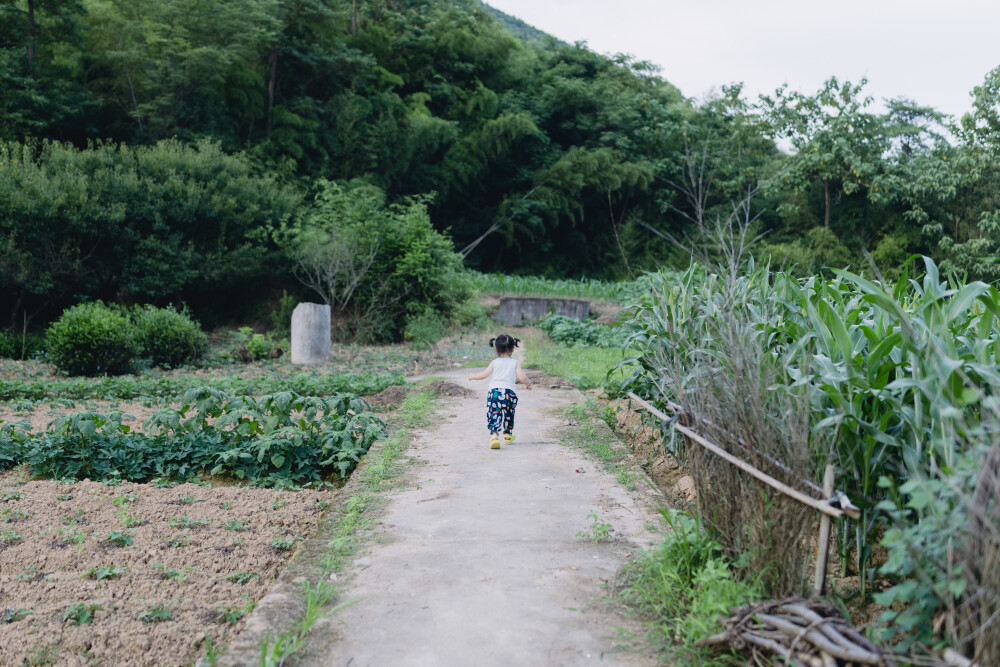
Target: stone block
pixel 518 310
pixel 310 333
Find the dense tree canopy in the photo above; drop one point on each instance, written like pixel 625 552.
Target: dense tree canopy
pixel 533 155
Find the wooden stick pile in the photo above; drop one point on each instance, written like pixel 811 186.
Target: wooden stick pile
pixel 806 633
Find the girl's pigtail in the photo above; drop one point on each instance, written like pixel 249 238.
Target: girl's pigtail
pixel 492 340
pixel 517 342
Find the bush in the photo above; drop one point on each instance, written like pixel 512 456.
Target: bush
pixel 167 337
pixel 15 346
pixel 425 329
pixel 567 331
pixel 92 339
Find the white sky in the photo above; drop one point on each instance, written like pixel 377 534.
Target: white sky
pixel 931 52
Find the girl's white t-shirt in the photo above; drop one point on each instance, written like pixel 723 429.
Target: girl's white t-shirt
pixel 504 373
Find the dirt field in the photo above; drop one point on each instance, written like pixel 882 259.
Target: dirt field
pixel 196 561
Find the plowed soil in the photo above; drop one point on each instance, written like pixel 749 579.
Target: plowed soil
pixel 191 547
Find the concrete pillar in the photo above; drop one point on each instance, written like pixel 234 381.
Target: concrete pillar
pixel 310 333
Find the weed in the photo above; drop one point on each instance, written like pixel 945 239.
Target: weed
pixel 242 577
pixel 43 655
pixel 162 483
pixel 278 504
pixel 188 500
pixel 322 505
pixel 104 572
pixel 10 536
pixel 157 613
pixel 74 518
pixel 124 500
pixel 233 614
pixel 11 516
pixel 128 519
pixel 28 574
pixel 227 505
pixel 237 526
pixel 12 496
pixel 284 543
pixel 184 523
pixel 179 541
pixel 598 531
pixel 63 497
pixel 173 575
pixel 81 614
pixel 13 615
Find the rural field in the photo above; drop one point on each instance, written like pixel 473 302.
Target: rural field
pixel 761 332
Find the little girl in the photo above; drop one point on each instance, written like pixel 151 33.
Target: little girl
pixel 503 372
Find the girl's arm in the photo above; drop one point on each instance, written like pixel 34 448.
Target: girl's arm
pixel 482 376
pixel 522 378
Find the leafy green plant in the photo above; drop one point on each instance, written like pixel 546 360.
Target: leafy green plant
pixel 10 536
pixel 236 526
pixel 81 614
pixel 12 496
pixel 92 339
pixel 63 497
pixel 276 440
pixel 179 541
pixel 12 516
pixel 119 538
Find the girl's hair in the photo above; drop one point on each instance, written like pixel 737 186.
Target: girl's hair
pixel 504 343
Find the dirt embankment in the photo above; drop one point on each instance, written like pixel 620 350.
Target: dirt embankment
pixel 187 564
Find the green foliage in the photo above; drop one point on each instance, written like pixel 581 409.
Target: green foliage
pixel 685 586
pixel 278 440
pixel 100 572
pixel 81 614
pixel 384 267
pixel 425 330
pixel 20 346
pixel 92 339
pixel 501 284
pixel 168 338
pixel 574 333
pixel 902 379
pixel 163 386
pixel 119 538
pixel 598 531
pixel 584 367
pixel 156 613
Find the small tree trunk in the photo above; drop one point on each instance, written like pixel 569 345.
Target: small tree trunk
pixel 826 214
pixel 354 18
pixel 272 79
pixel 31 32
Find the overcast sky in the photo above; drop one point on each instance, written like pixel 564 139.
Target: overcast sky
pixel 931 52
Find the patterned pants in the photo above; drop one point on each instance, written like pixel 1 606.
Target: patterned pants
pixel 500 404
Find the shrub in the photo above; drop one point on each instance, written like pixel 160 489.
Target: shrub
pixel 425 329
pixel 17 346
pixel 92 339
pixel 167 337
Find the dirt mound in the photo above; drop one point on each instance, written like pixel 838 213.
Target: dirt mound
pixel 450 389
pixel 152 574
pixel 542 380
pixel 389 397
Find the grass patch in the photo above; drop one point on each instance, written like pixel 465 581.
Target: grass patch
pixel 594 436
pixel 684 587
pixel 585 367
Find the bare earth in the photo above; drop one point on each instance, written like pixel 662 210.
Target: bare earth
pixel 217 555
pixel 478 562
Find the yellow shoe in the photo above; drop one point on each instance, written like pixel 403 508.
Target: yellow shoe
pixel 494 442
pixel 508 438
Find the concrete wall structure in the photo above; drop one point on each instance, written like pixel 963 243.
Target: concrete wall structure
pixel 518 310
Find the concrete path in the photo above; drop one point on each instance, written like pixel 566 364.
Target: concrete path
pixel 477 562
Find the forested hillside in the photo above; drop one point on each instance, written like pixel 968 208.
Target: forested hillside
pixel 194 134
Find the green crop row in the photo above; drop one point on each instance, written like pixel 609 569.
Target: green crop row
pixel 901 379
pixel 501 284
pixel 277 440
pixel 574 333
pixel 169 386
